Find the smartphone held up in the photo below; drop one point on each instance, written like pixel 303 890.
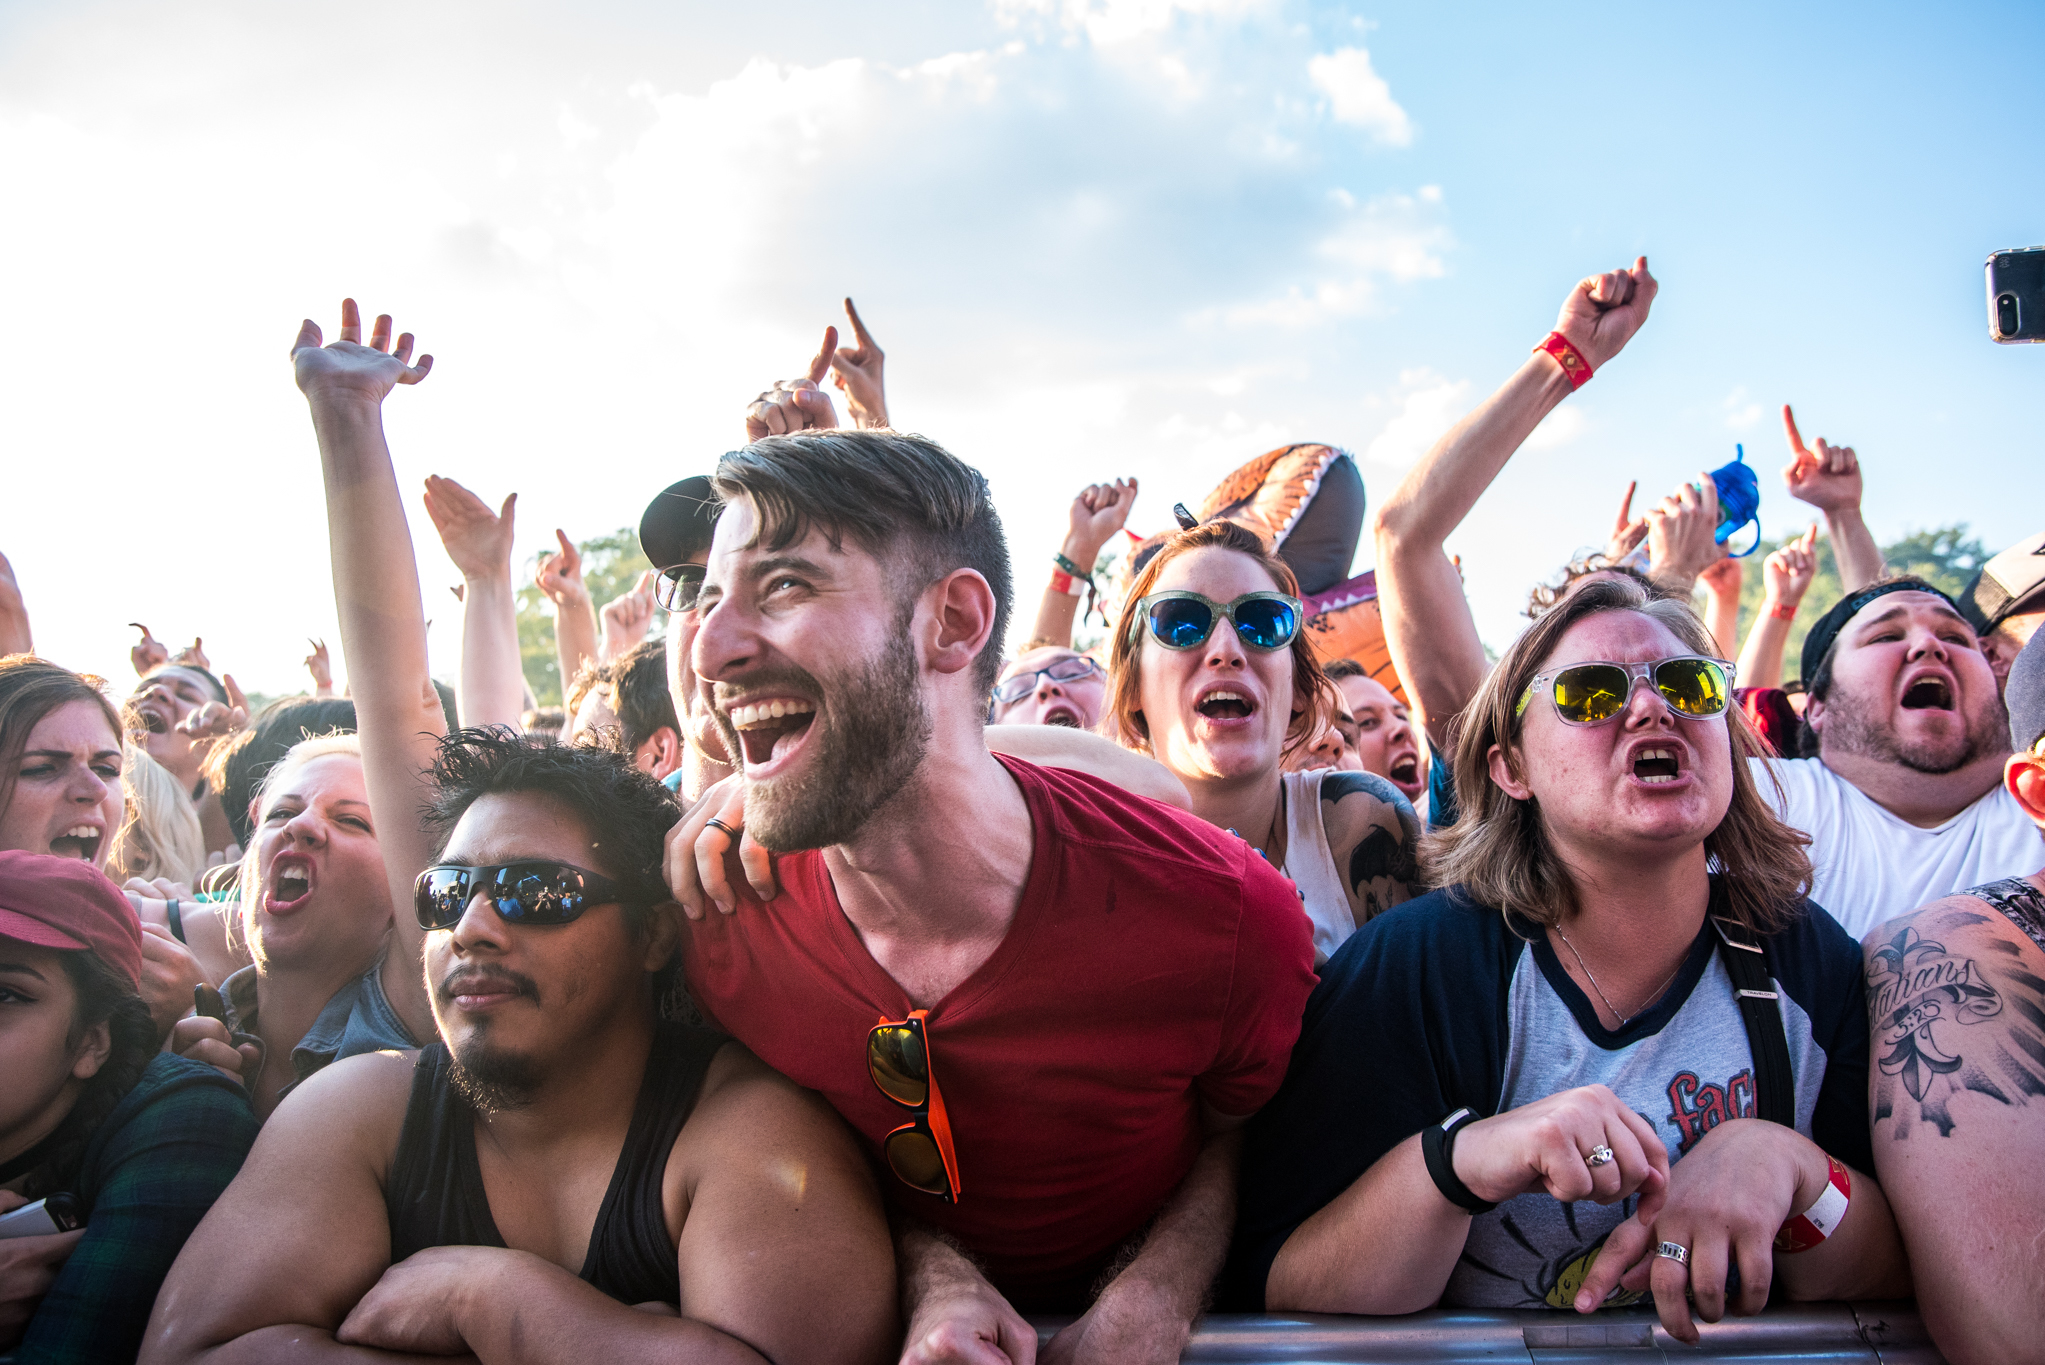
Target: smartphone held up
pixel 2016 295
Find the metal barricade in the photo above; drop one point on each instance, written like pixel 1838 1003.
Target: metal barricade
pixel 1875 1333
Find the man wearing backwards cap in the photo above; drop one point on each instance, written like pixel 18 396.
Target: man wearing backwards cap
pixel 1955 1002
pixel 1900 787
pixel 675 535
pixel 2005 602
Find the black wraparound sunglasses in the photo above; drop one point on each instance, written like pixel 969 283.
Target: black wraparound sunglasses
pixel 521 893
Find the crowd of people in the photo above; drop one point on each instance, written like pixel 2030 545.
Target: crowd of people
pixel 825 981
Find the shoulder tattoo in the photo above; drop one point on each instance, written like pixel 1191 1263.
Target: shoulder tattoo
pixel 1381 870
pixel 1943 1021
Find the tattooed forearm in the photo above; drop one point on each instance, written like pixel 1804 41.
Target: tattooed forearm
pixel 1951 1014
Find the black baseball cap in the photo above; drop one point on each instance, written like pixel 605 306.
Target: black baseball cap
pixel 1818 643
pixel 2012 582
pixel 679 522
pixel 2024 695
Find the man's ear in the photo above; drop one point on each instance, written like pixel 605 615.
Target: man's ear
pixel 2023 776
pixel 1814 714
pixel 662 751
pixel 1503 776
pixel 964 607
pixel 663 936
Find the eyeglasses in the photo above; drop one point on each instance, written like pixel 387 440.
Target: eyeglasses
pixel 1694 686
pixel 1065 670
pixel 677 589
pixel 521 893
pixel 1263 621
pixel 920 1152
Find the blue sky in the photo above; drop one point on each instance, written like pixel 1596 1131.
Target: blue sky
pixel 1096 237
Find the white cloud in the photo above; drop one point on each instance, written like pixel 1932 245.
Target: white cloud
pixel 1395 237
pixel 1559 428
pixel 1428 405
pixel 1117 21
pixel 1741 411
pixel 1358 95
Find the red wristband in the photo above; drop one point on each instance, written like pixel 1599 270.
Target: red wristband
pixel 1064 582
pixel 1569 358
pixel 1782 613
pixel 1822 1218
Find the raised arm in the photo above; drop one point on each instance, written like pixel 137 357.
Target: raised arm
pixel 1100 510
pixel 560 578
pixel 14 633
pixel 1787 575
pixel 1828 478
pixel 383 624
pixel 1428 627
pixel 492 690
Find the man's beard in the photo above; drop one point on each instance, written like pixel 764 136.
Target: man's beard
pixel 871 731
pixel 1850 727
pixel 493 1081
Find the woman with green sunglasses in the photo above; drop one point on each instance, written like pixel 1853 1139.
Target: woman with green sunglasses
pixel 1213 674
pixel 1617 1055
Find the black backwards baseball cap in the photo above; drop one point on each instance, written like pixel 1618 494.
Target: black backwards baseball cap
pixel 1819 642
pixel 2024 695
pixel 2012 582
pixel 679 522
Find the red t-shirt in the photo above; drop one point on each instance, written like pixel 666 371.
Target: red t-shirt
pixel 1154 961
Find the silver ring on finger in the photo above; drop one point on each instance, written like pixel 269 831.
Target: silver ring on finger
pixel 716 823
pixel 1600 1155
pixel 1673 1251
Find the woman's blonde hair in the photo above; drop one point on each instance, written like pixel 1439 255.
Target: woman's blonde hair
pixel 161 836
pixel 248 876
pixel 1125 700
pixel 1498 849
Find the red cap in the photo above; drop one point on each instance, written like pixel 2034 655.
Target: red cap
pixel 66 903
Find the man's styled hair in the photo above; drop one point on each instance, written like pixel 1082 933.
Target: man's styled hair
pixel 1123 706
pixel 627 810
pixel 638 681
pixel 903 499
pixel 1497 847
pixel 1338 669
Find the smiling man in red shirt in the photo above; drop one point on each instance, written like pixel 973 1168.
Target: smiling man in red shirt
pixel 1100 987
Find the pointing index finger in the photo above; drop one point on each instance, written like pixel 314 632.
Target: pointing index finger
pixel 821 366
pixel 1796 439
pixel 859 331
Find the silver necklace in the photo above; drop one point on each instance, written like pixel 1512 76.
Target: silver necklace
pixel 1624 1019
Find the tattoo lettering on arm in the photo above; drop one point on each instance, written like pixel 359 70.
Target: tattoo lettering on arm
pixel 1961 1011
pixel 1372 835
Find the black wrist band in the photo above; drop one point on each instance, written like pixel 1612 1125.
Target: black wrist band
pixel 177 921
pixel 1062 562
pixel 1437 1144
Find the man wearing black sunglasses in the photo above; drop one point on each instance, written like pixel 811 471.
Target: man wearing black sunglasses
pixel 1045 1003
pixel 563 1173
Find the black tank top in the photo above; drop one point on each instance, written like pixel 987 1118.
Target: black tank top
pixel 435 1191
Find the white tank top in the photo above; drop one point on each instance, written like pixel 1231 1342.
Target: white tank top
pixel 1311 866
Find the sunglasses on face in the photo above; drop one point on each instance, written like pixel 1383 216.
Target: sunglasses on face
pixel 1264 621
pixel 920 1152
pixel 521 893
pixel 678 588
pixel 1694 686
pixel 1065 670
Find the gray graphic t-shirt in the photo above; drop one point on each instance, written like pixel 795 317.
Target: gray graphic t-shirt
pixel 1440 1004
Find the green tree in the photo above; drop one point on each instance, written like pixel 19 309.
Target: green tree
pixel 1945 556
pixel 611 564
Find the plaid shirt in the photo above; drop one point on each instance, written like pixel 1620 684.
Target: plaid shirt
pixel 146 1179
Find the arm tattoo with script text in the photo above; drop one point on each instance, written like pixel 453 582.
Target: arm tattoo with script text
pixel 1956 1003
